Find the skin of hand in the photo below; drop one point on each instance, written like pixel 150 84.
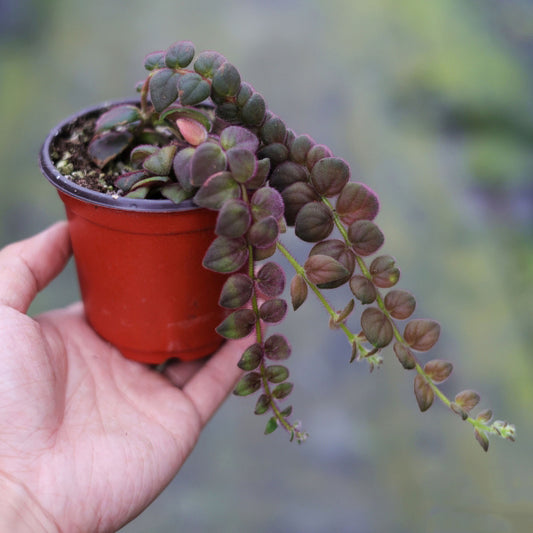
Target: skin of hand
pixel 88 439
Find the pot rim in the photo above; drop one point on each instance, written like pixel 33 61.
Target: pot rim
pixel 64 184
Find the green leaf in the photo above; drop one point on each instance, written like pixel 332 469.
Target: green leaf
pixel 273 130
pixel 141 152
pixel 154 60
pixel 253 111
pixel 233 219
pixel 423 393
pixel 160 162
pixel 226 255
pixel 329 176
pixel 208 62
pixel 271 279
pixel 262 405
pixel 276 373
pixel 277 348
pixel 273 311
pixel 236 292
pixel 163 88
pixel 421 334
pixel 287 174
pixel 179 55
pixel 126 181
pixel 314 222
pixel 226 80
pixel 175 192
pixel 271 426
pixel 298 291
pixel 266 202
pixel 282 390
pixel 216 190
pixel 321 269
pixel 248 384
pixel 193 89
pixel 357 202
pixel 152 182
pixel 121 115
pixel 208 159
pixel 251 358
pixel 107 146
pixel 365 237
pixel 238 137
pixel 376 327
pixel 237 325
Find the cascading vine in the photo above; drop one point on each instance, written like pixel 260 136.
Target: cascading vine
pixel 200 133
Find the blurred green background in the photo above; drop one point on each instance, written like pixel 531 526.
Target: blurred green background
pixel 431 104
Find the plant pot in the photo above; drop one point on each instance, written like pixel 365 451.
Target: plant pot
pixel 139 265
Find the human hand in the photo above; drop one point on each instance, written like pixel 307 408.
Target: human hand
pixel 87 438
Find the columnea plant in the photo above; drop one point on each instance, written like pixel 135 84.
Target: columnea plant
pixel 201 133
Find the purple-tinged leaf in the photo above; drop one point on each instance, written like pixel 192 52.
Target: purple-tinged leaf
pixel 384 271
pixel 405 356
pixel 253 111
pixel 298 291
pixel 316 154
pixel 183 169
pixel 314 222
pixel 193 89
pixel 277 153
pixel 295 196
pixel 273 130
pixel 251 358
pixel 357 202
pixel 262 405
pixel 421 334
pixel 376 327
pixel 262 169
pixel 263 233
pixel 226 80
pixel 321 269
pixel 140 193
pixel 458 410
pixel 175 192
pixel 173 113
pixel 400 304
pixel 216 190
pixel 365 237
pixel 152 182
pixel 482 439
pixel 277 348
pixel 260 254
pixel 287 174
pixel 154 60
pixel 266 202
pixel 248 384
pixel 363 289
pixel 485 416
pixel 105 147
pixel 163 88
pixel 438 370
pixel 271 279
pixel 300 148
pixel 467 399
pixel 122 115
pixel 276 373
pixel 208 159
pixel 282 390
pixel 273 311
pixel 238 137
pixel 242 164
pixel 237 325
pixel 233 219
pixel 423 393
pixel 236 292
pixel 179 55
pixel 329 176
pixel 126 181
pixel 226 255
pixel 337 249
pixel 160 162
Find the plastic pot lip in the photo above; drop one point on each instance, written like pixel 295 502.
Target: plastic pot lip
pixel 96 198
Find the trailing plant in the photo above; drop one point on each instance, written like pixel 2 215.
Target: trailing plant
pixel 199 132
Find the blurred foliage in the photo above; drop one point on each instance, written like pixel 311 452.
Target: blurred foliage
pixel 430 103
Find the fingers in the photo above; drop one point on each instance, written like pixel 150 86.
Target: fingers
pixel 27 266
pixel 210 386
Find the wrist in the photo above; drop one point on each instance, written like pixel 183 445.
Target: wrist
pixel 20 512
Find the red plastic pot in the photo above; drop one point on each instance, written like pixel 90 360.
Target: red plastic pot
pixel 139 265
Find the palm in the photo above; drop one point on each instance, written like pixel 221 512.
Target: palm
pixel 95 437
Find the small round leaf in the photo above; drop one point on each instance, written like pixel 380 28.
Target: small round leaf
pixel 329 176
pixel 438 370
pixel 400 304
pixel 277 348
pixel 314 222
pixel 376 327
pixel 298 291
pixel 276 373
pixel 251 358
pixel 233 219
pixel 363 289
pixel 248 384
pixel 421 334
pixel 237 325
pixel 236 292
pixel 226 255
pixel 271 279
pixel 273 311
pixel 423 393
pixel 357 202
pixel 365 237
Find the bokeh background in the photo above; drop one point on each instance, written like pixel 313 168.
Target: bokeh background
pixel 431 104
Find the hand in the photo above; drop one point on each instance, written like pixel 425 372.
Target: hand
pixel 87 438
